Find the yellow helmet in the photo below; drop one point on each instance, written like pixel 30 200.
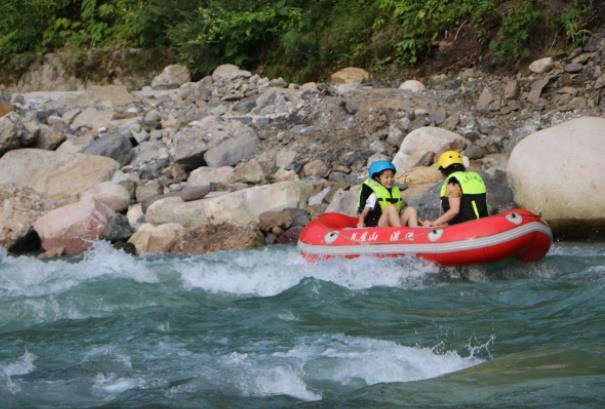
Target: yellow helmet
pixel 449 158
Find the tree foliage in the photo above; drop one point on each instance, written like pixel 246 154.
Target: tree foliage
pixel 298 39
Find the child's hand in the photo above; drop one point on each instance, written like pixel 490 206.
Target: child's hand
pixel 360 225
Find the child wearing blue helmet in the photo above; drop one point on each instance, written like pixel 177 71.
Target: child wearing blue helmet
pixel 380 203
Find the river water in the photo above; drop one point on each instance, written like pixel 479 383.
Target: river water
pixel 265 329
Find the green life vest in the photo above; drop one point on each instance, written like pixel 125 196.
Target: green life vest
pixel 473 203
pixel 383 195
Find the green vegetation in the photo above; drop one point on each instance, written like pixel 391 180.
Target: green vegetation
pixel 297 39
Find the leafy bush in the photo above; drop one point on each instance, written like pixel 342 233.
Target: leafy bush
pixel 512 37
pixel 297 39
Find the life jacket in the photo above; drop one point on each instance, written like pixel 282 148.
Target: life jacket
pixel 384 196
pixel 473 203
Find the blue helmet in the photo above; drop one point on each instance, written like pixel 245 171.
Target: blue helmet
pixel 379 166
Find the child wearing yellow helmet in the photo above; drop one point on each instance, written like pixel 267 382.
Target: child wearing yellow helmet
pixel 463 193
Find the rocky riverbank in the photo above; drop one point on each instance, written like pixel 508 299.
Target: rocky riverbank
pixel 236 160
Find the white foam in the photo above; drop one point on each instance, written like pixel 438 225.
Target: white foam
pixel 268 272
pixel 577 249
pixel 23 365
pixel 345 362
pixel 115 384
pixel 108 355
pixel 254 376
pixel 287 316
pixel 28 276
pixel 345 359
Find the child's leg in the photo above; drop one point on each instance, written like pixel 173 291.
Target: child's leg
pixel 389 217
pixel 409 217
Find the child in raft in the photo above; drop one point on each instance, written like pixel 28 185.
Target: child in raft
pixel 380 203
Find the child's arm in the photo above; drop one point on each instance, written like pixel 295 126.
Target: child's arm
pixel 362 216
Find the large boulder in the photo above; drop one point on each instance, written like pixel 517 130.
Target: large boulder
pixel 116 146
pixel 349 75
pixel 214 142
pixel 19 209
pixel 345 201
pixel 111 194
pixel 240 208
pixel 156 239
pixel 173 76
pixel 222 237
pixel 420 175
pixel 73 226
pixel 557 172
pixel 59 176
pixel 425 139
pixel 12 132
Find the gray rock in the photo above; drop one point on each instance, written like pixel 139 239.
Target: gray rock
pixel 451 123
pixel 573 68
pixel 172 76
pixel 149 158
pixel 489 100
pixel 318 199
pixel 152 120
pixel 49 138
pixel 249 172
pixel 542 65
pixel 536 91
pixel 474 151
pixel 229 72
pixel 600 83
pixel 128 181
pixel 116 146
pixel 351 107
pixel 511 89
pixel 278 83
pixel 301 216
pixel 213 142
pixel 577 103
pixel 190 193
pixel 426 160
pixel 232 150
pixel 315 168
pixel 12 132
pixel 437 117
pixel 148 189
pixel 395 135
pixel 246 105
pixel 378 146
pixel 42 116
pixel 118 228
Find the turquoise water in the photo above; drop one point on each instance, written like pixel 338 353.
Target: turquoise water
pixel 265 329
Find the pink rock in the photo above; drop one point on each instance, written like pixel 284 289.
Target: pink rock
pixel 73 226
pixel 111 194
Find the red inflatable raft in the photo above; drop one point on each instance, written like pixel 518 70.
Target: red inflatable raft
pixel 514 233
